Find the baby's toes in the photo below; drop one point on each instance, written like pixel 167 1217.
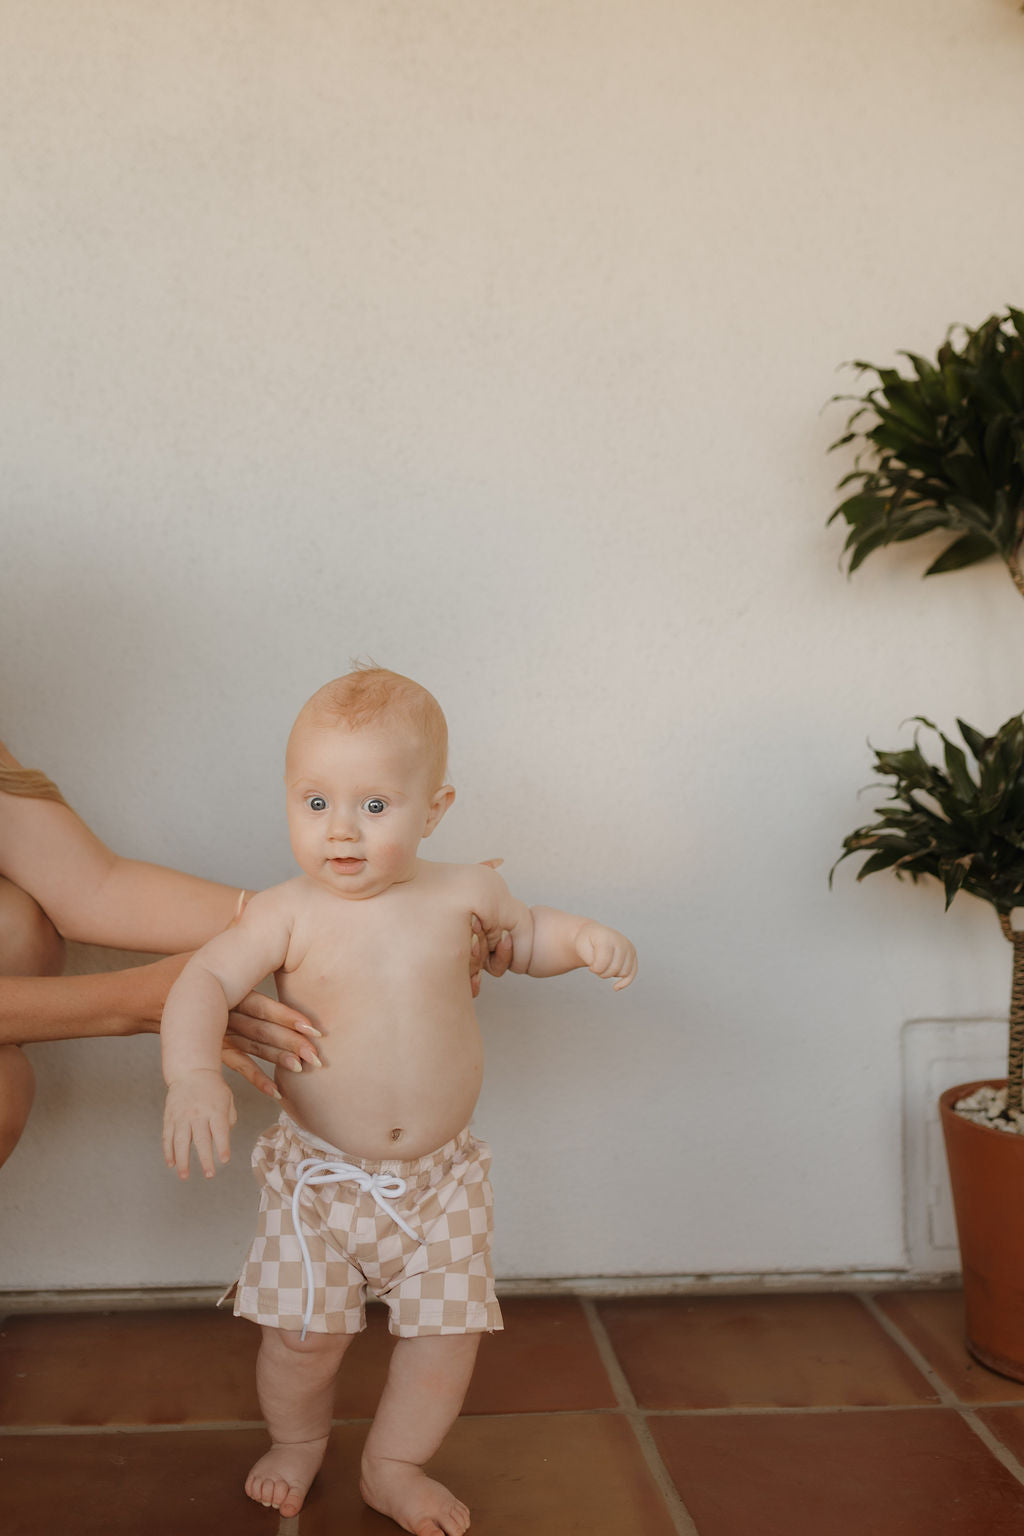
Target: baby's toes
pixel 454 1521
pixel 290 1500
pixel 259 1490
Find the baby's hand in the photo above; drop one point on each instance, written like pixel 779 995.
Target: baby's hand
pixel 199 1112
pixel 607 953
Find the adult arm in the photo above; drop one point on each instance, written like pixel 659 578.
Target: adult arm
pixel 58 872
pixel 94 896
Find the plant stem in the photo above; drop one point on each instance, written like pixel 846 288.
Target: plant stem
pixel 1015 1058
pixel 1014 567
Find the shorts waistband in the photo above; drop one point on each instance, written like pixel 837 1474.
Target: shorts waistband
pixel 414 1171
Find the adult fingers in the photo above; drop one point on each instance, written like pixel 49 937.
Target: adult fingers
pixel 244 1065
pixel 269 1053
pixel 257 1006
pixel 275 1043
pixel 500 957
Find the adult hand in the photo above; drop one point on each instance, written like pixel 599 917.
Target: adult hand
pixel 488 952
pixel 482 958
pixel 261 1026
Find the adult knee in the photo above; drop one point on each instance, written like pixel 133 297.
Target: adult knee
pixel 29 943
pixel 17 1090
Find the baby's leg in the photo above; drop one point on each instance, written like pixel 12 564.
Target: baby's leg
pixel 426 1384
pixel 295 1381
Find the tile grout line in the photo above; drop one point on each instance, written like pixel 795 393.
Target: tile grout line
pixel 677 1511
pixel 968 1415
pixel 732 1411
pixel 947 1397
pixel 184 1426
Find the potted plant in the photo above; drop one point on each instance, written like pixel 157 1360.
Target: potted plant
pixel 963 824
pixel 944 446
pixel 941 449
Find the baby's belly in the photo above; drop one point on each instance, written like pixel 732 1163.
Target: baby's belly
pixel 389 1089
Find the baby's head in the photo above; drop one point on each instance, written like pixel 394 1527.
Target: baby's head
pixel 365 772
pixel 372 696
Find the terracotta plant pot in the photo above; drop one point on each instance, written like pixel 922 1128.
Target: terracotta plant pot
pixel 986 1170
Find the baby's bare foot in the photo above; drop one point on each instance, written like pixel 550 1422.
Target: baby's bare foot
pixel 404 1493
pixel 281 1478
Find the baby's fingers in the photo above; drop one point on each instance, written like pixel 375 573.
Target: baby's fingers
pixel 603 961
pixel 222 1135
pixel 202 1140
pixel 627 969
pixel 177 1142
pixel 170 1156
pixel 209 1138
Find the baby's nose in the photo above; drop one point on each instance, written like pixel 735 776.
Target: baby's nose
pixel 342 826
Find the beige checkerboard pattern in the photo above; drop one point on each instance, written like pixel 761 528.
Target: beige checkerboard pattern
pixel 442 1284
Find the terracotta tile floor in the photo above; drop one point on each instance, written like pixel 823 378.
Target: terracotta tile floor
pixel 776 1415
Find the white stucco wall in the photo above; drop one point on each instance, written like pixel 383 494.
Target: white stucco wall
pixel 490 338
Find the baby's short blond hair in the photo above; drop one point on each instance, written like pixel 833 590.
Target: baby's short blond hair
pixel 370 694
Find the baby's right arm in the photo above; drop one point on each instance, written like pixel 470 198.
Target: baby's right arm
pixel 200 1109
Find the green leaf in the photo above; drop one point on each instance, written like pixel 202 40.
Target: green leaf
pixel 954 876
pixel 940 822
pixel 861 509
pixel 967 550
pixel 940 447
pixel 864 546
pixel 956 767
pixel 924 369
pixel 977 743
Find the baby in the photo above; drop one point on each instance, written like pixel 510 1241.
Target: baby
pixel 372 944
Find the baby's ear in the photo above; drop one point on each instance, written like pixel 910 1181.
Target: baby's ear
pixel 438 805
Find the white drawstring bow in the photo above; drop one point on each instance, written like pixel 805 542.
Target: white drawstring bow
pixel 313 1171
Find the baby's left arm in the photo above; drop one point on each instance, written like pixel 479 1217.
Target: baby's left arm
pixel 562 942
pixel 547 942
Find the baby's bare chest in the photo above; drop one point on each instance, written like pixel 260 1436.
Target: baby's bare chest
pixel 412 939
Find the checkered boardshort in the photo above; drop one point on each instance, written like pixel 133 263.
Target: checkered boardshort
pixel 438 1282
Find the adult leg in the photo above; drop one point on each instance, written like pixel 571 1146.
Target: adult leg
pixel 17 1090
pixel 29 946
pixel 295 1382
pixel 426 1385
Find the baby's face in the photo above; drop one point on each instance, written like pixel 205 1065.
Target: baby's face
pixel 359 803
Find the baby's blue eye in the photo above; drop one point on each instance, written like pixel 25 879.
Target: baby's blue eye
pixel 317 803
pixel 374 806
